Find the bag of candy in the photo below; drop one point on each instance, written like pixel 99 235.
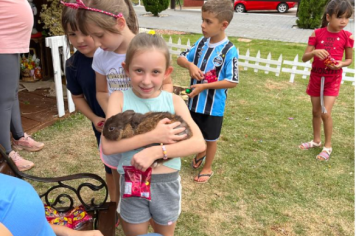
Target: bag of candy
pixel 210 76
pixel 329 61
pixel 137 183
pixel 62 220
pixel 73 219
pixel 79 217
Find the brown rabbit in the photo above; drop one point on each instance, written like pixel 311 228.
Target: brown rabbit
pixel 129 123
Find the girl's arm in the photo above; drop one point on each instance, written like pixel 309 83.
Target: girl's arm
pixel 163 133
pixel 348 58
pixel 196 144
pixel 102 93
pixel 310 52
pixel 82 105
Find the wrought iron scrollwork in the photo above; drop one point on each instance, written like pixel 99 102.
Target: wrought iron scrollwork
pixel 61 198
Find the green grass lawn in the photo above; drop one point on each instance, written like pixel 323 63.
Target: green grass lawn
pixel 263 184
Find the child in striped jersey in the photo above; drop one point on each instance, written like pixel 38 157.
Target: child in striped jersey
pixel 213 54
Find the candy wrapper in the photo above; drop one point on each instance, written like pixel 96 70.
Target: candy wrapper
pixel 329 61
pixel 137 183
pixel 73 219
pixel 210 76
pixel 62 220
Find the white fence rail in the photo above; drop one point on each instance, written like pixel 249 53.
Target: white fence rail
pixel 55 43
pixel 246 61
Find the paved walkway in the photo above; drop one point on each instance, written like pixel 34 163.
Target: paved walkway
pixel 276 27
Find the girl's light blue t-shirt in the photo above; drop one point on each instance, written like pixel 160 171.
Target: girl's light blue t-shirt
pixel 161 103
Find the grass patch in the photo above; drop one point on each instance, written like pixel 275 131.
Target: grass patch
pixel 263 184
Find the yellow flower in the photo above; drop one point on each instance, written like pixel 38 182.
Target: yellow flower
pixel 151 32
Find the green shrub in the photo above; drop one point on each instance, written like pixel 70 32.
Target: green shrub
pixel 155 6
pixel 310 13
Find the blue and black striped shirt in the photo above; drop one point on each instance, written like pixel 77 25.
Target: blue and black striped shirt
pixel 222 57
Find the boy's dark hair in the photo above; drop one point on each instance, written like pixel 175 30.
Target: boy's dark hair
pixel 337 7
pixel 223 9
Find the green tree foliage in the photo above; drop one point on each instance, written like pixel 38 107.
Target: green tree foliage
pixel 310 13
pixel 155 6
pixel 50 15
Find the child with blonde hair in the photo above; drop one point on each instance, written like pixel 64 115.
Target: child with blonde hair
pixel 148 63
pixel 112 24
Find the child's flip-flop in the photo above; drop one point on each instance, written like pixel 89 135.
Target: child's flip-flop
pixel 203 175
pixel 195 162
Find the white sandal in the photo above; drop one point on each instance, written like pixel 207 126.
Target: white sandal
pixel 325 154
pixel 308 145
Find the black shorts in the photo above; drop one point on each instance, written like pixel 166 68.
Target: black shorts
pixel 210 126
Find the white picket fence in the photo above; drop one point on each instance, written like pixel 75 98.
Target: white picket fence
pixel 246 61
pixel 56 43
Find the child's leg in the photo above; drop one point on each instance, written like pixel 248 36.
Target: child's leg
pixel 116 180
pixel 198 159
pixel 110 183
pixel 316 111
pixel 327 120
pixel 134 229
pixel 207 168
pixel 166 230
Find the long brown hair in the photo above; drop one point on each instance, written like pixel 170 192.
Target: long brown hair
pixel 337 7
pixel 104 21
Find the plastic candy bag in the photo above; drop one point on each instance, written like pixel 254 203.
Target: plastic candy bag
pixel 137 183
pixel 329 61
pixel 79 217
pixel 73 219
pixel 210 76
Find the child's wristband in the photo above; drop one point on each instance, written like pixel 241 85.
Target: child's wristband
pixel 164 150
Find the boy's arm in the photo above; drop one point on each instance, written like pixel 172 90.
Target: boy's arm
pixel 102 93
pixel 198 88
pixel 82 105
pixel 194 71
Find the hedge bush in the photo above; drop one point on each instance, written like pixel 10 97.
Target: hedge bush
pixel 310 13
pixel 155 6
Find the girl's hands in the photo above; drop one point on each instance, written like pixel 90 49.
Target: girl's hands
pixel 165 132
pixel 195 72
pixel 98 123
pixel 145 158
pixel 337 66
pixel 320 53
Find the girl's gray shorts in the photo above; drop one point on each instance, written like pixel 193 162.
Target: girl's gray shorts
pixel 164 207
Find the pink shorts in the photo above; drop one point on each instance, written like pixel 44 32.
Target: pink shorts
pixel 331 85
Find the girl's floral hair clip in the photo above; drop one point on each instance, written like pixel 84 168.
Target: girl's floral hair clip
pixel 80 5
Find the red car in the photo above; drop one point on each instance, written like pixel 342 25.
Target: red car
pixel 249 5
